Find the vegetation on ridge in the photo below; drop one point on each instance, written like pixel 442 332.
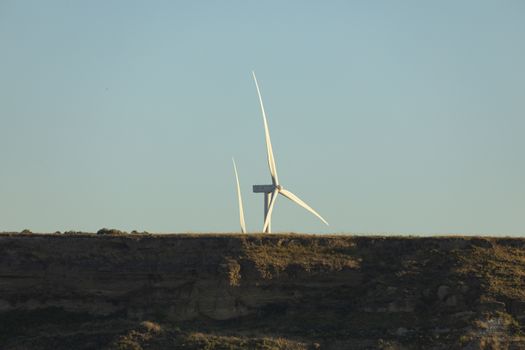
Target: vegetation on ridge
pixel 272 256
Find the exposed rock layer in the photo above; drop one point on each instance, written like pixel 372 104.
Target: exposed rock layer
pixel 332 292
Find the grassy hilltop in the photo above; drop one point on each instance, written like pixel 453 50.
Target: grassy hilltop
pixel 141 291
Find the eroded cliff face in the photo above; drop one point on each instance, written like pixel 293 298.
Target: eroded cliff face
pixel 328 292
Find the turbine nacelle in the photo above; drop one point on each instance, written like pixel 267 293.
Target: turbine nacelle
pixel 267 188
pixel 263 188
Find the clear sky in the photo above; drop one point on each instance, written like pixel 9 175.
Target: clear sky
pixel 402 117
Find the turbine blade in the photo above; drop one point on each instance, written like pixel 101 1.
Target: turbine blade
pixel 269 150
pixel 268 217
pixel 241 210
pixel 297 200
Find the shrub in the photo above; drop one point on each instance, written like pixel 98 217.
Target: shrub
pixel 71 232
pixel 151 327
pixel 110 232
pixel 135 232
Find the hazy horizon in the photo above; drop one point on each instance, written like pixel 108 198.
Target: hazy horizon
pixel 398 118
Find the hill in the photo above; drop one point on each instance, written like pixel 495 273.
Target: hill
pixel 282 291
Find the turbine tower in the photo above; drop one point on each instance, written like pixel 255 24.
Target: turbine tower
pixel 271 191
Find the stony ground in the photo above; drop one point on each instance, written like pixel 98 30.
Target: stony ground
pixel 85 291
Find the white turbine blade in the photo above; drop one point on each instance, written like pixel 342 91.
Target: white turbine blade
pixel 268 217
pixel 297 200
pixel 271 159
pixel 241 210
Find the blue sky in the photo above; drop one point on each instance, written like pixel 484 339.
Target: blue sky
pixel 401 117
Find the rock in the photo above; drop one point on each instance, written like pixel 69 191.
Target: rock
pixel 451 300
pixel 391 290
pixel 443 292
pixel 401 331
pixel 464 315
pixel 405 305
pixel 491 306
pixel 441 330
pixel 517 308
pixel 4 306
pixel 481 242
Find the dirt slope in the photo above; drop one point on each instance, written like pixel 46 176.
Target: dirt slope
pixel 260 292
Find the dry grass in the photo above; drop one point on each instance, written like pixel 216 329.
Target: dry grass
pixel 273 255
pixel 234 272
pixel 150 336
pixel 500 267
pixel 209 342
pixel 151 327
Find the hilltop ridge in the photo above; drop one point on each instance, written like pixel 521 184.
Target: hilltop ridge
pixel 278 291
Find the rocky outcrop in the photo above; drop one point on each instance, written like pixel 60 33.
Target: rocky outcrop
pixel 331 292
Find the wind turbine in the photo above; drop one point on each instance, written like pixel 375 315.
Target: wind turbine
pixel 241 210
pixel 271 191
